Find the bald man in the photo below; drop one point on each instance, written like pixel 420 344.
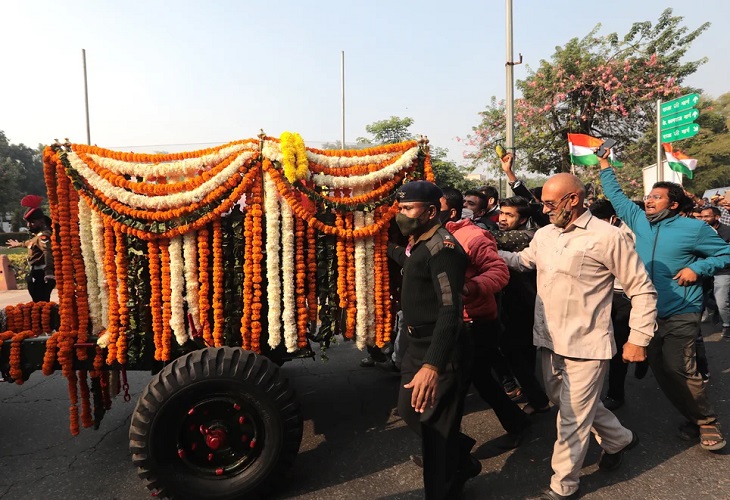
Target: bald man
pixel 577 258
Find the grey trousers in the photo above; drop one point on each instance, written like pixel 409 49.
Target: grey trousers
pixel 672 357
pixel 574 386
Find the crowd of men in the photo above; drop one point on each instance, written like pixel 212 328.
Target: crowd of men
pixel 610 284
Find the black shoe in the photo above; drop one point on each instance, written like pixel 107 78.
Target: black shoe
pixel 471 469
pixel 641 369
pixel 549 494
pixel 612 461
pixel 612 404
pixel 368 362
pixel 512 440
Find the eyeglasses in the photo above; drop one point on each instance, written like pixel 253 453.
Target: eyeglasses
pixel 653 197
pixel 552 205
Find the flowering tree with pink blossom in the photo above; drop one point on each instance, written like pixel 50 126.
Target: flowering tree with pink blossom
pixel 604 86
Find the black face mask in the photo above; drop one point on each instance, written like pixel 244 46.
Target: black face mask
pixel 410 225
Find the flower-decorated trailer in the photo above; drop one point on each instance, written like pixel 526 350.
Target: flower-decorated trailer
pixel 210 268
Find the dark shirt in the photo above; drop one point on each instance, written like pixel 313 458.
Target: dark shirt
pixel 518 297
pixel 433 278
pixel 40 254
pixel 519 189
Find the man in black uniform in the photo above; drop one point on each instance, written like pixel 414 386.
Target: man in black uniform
pixel 434 371
pixel 41 279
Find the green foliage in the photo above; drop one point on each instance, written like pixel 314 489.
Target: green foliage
pixel 19 265
pixel 604 86
pixel 447 173
pixel 21 173
pixel 390 131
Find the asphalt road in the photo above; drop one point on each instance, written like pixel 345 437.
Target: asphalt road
pixel 355 448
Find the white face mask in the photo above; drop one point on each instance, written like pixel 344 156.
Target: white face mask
pixel 467 214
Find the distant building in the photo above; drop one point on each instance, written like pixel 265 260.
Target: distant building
pixel 476 177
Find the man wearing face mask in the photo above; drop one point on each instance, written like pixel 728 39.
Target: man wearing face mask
pixel 677 251
pixel 577 258
pixel 434 370
pixel 486 275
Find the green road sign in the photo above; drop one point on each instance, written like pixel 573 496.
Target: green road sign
pixel 682 118
pixel 680 104
pixel 681 132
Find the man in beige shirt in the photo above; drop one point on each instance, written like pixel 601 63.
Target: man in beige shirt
pixel 577 258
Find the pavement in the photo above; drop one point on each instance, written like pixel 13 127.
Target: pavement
pixel 355 447
pixel 12 297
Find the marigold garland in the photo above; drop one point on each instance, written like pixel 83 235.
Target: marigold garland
pixel 73 409
pixel 109 339
pixel 351 292
pixel 166 340
pixel 257 256
pixel 294 157
pixel 204 291
pixel 16 371
pixel 153 252
pixel 301 284
pixel 80 291
pixel 123 297
pixel 247 279
pixel 218 319
pixel 312 273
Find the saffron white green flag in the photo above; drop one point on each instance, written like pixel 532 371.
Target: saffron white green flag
pixel 679 162
pixel 583 150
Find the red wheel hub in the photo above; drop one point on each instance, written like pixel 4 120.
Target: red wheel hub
pixel 214 438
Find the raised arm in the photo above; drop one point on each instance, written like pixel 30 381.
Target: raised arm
pixel 626 210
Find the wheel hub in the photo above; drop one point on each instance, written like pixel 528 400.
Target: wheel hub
pixel 219 436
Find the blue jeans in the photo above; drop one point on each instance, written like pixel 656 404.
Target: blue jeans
pixel 722 297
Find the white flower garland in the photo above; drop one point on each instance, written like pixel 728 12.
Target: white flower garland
pixel 288 277
pixel 273 235
pixel 177 285
pixel 192 286
pixel 370 267
pixel 272 151
pixel 361 285
pixel 181 168
pixel 144 202
pixel 87 252
pixel 348 161
pixel 368 180
pixel 97 240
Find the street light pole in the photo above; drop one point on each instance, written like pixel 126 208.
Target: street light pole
pixel 342 81
pixel 86 100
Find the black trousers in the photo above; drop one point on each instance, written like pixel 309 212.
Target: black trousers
pixel 445 449
pixel 620 313
pixel 39 289
pixel 512 418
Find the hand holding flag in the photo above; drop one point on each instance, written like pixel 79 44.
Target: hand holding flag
pixel 583 150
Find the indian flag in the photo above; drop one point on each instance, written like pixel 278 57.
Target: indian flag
pixel 583 150
pixel 679 162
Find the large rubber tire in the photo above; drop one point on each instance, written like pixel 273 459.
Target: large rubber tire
pixel 236 393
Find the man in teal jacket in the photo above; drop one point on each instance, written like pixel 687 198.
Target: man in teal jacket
pixel 677 252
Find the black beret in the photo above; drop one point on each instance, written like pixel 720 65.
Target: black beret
pixel 422 191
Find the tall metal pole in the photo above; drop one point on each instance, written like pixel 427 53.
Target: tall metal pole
pixel 659 163
pixel 509 66
pixel 342 81
pixel 86 100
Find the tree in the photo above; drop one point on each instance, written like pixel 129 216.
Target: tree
pixel 21 173
pixel 388 131
pixel 396 129
pixel 604 86
pixel 448 173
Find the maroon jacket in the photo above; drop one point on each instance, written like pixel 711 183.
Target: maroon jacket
pixel 486 273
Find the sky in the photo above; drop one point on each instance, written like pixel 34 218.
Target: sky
pixel 184 75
